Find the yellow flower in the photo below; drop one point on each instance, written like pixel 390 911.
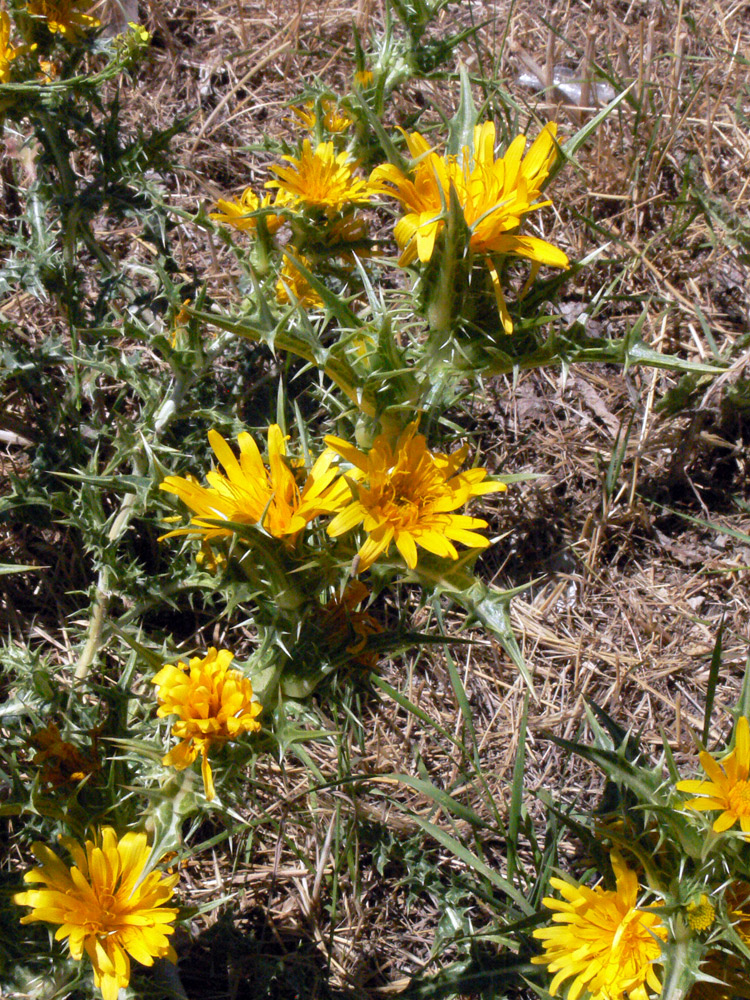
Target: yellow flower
pixel 335 119
pixel 108 904
pixel 306 115
pixel 63 16
pixel 729 788
pixel 214 705
pixel 494 195
pixel 8 52
pixel 250 493
pixel 180 323
pixel 61 762
pixel 425 197
pixel 363 78
pixel 601 938
pixel 290 279
pixel 321 179
pixel 237 213
pixel 700 913
pixel 404 493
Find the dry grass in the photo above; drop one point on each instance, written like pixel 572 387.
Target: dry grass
pixel 625 596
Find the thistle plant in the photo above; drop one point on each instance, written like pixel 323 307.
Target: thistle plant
pixel 299 482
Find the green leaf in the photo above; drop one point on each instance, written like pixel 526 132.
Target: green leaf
pixel 713 677
pixel 10 569
pixel 461 126
pixel 470 979
pixel 475 863
pixel 404 702
pixel 440 798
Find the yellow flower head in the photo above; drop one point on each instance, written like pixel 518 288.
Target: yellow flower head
pixel 700 913
pixel 405 494
pixel 251 493
pixel 237 213
pixel 494 195
pixel 335 118
pixel 108 904
pixel 363 78
pixel 728 788
pixel 63 16
pixel 601 938
pixel 290 279
pixel 8 52
pixel 61 762
pixel 321 179
pixel 214 705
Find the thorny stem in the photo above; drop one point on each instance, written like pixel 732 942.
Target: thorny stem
pixel 681 961
pixel 164 416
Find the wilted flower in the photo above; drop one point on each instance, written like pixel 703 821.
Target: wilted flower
pixel 109 904
pixel 345 626
pixel 738 905
pixel 237 213
pixel 214 705
pixel 347 236
pixel 180 323
pixel 494 195
pixel 602 938
pixel 729 787
pixel 321 179
pixel 63 17
pixel 48 71
pixel 291 279
pixel 404 493
pixel 61 762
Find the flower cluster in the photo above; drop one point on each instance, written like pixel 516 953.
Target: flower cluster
pixel 399 491
pixel 494 195
pixel 318 193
